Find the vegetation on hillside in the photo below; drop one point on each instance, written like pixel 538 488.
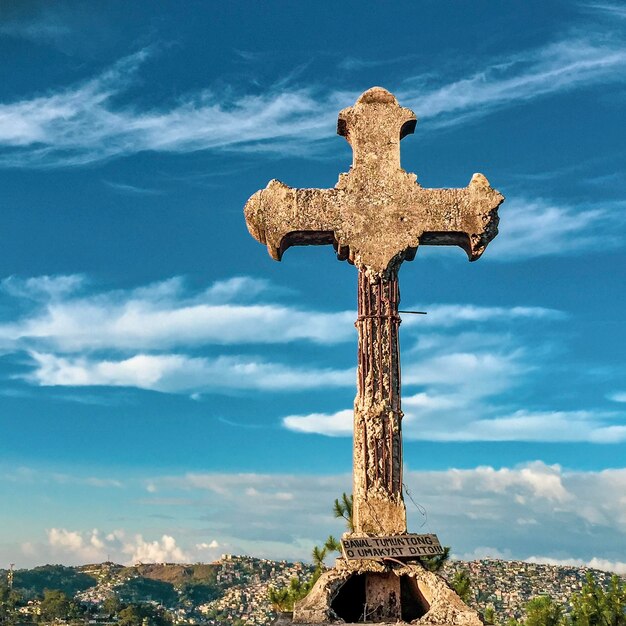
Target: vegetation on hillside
pixel 173 573
pixel 592 606
pixel 147 590
pixel 33 582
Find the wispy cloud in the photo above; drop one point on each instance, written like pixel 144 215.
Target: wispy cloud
pixel 610 9
pixel 46 288
pixel 82 123
pixel 563 426
pixel 168 337
pixel 132 189
pixel 447 315
pixel 555 68
pixel 161 316
pixel 452 418
pixel 46 27
pixel 536 228
pixel 167 314
pixel 463 395
pixel 337 424
pixel 27 475
pixel 351 63
pixel 176 373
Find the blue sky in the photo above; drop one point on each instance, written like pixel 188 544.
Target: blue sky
pixel 168 392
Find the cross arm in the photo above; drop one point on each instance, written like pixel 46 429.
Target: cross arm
pixel 280 216
pixel 466 217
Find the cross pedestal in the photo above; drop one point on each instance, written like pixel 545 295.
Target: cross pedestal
pixel 376 217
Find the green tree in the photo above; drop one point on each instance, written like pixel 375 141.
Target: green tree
pixel 55 604
pixel 283 598
pixel 35 581
pixel 141 589
pixel 435 563
pixel 594 606
pixel 543 611
pixel 489 614
pixel 462 584
pixel 332 545
pixel 280 599
pixel 135 614
pixel 342 507
pixel 9 600
pixel 318 555
pixel 111 605
pixel 199 592
pixel 58 605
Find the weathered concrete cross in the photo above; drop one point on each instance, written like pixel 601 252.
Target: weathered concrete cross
pixel 376 217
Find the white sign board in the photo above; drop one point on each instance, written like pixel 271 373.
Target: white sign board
pixel 397 546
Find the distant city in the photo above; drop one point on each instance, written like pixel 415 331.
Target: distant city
pixel 234 590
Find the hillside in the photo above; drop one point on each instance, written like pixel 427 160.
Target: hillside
pixel 236 587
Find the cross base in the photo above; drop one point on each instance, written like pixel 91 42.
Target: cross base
pixel 358 592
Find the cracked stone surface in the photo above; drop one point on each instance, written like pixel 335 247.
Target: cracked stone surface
pixel 377 215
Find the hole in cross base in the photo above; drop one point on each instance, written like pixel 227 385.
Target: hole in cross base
pixel 350 602
pixel 412 601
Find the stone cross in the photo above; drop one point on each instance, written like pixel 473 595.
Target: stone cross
pixel 376 217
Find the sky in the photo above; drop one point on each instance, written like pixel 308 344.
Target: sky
pixel 168 392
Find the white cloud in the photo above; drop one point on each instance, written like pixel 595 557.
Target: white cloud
pixel 80 547
pixel 164 550
pixel 536 479
pixel 460 397
pixel 462 389
pixel 619 567
pixel 559 67
pixel 478 373
pixel 453 418
pixel 140 337
pixel 612 10
pixel 619 396
pixel 163 315
pixel 333 424
pixel 175 373
pixel 42 287
pixel 28 475
pixel 82 124
pixel 447 315
pixel 86 547
pixel 535 228
pixel 47 26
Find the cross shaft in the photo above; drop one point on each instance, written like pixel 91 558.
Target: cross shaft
pixel 378 507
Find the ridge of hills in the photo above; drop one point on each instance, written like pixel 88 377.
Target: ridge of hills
pixel 234 589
